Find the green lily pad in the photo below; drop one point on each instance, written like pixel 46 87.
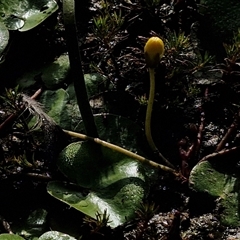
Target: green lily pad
pixel 25 14
pixel 120 203
pixel 95 83
pixel 7 236
pixel 61 104
pixel 33 226
pixel 56 73
pixel 61 107
pixel 114 183
pixel 84 166
pixel 57 107
pixel 55 235
pixel 4 37
pixel 220 180
pixel 53 74
pixel 105 179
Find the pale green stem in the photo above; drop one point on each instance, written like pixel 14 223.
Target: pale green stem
pixel 123 151
pixel 148 131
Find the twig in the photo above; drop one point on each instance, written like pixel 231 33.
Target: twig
pixel 39 176
pixel 37 93
pixel 187 155
pixel 221 153
pixel 199 135
pixel 228 134
pixel 224 140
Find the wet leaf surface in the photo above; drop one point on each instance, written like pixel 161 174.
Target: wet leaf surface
pixel 4 37
pixel 222 183
pixel 27 14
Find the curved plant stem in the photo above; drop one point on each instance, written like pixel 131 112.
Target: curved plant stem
pixel 123 151
pixel 148 131
pixel 76 67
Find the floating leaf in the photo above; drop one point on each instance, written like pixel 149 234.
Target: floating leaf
pixel 120 203
pixel 61 104
pixel 55 73
pixel 219 179
pixel 77 157
pixel 54 235
pixel 25 14
pixel 33 226
pixel 4 37
pixel 95 83
pixel 113 181
pixel 56 106
pixel 52 74
pixel 7 236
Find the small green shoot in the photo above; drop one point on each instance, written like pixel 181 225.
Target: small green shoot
pixel 233 49
pixel 231 66
pixel 146 211
pixel 97 225
pixel 107 25
pixel 176 43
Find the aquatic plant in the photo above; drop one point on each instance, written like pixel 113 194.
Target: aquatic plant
pixel 153 50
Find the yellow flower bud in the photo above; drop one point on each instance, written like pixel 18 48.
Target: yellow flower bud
pixel 153 51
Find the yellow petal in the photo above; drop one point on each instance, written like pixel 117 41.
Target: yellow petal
pixel 153 50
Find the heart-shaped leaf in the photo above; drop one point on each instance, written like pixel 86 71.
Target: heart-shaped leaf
pixel 114 182
pixel 106 179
